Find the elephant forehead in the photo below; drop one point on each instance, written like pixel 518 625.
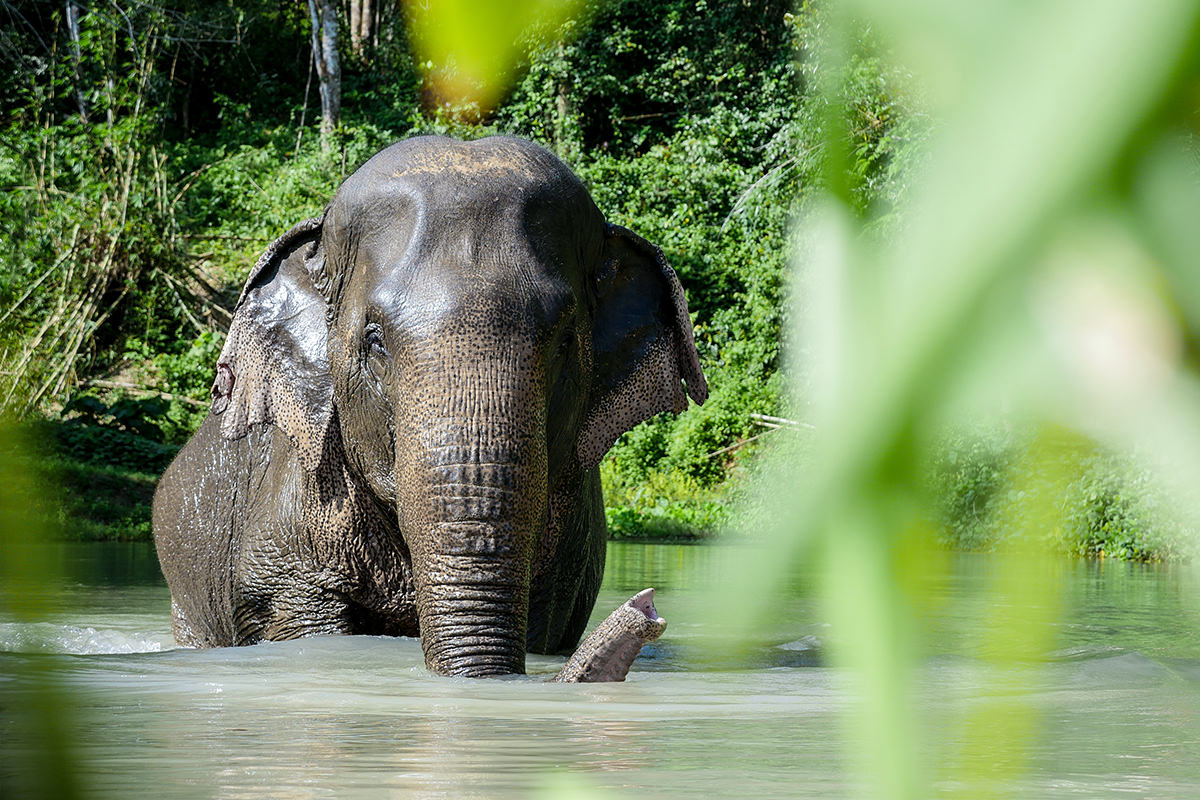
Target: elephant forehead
pixel 476 226
pixel 447 299
pixel 453 266
pixel 491 158
pixel 491 179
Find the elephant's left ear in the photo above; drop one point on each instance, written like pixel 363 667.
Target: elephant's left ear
pixel 274 368
pixel 643 353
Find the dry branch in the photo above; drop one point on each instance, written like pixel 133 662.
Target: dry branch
pixel 133 388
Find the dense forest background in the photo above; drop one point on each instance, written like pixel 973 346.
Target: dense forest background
pixel 150 151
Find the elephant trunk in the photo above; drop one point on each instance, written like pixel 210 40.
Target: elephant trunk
pixel 471 524
pixel 472 624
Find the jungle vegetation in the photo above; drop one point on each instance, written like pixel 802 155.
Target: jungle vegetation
pixel 150 151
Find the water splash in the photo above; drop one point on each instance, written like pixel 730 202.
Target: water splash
pixel 48 637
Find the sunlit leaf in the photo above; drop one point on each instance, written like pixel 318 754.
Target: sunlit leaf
pixel 469 48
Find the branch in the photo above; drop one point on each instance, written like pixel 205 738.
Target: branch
pixel 229 236
pixel 736 445
pixel 133 388
pixel 778 422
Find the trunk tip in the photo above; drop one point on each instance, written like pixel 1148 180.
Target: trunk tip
pixel 643 601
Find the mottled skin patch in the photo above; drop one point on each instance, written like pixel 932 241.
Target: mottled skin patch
pixel 609 651
pixel 472 163
pixel 410 408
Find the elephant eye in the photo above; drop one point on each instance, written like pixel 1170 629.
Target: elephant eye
pixel 373 339
pixel 566 345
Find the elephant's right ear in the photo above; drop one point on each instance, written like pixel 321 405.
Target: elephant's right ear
pixel 274 368
pixel 644 356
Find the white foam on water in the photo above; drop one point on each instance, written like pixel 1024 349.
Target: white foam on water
pixel 49 637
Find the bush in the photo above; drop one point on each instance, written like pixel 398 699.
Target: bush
pixel 989 485
pixel 968 480
pixel 91 481
pixel 110 436
pixel 660 506
pixel 1117 509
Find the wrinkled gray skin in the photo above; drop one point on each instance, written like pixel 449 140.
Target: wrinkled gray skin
pixel 410 408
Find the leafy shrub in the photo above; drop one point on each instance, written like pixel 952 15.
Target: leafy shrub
pixel 969 479
pixel 661 506
pixel 184 376
pixel 93 481
pixel 1116 508
pixel 125 434
pixel 1111 506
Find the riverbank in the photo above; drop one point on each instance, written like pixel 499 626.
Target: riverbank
pixel 96 483
pixel 89 483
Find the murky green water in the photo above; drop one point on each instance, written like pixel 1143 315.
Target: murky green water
pixel 357 716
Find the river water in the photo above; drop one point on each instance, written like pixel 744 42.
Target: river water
pixel 1117 705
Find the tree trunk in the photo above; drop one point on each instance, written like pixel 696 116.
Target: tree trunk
pixel 369 22
pixel 329 68
pixel 76 58
pixel 356 39
pixel 363 26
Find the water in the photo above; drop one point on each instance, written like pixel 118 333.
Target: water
pixel 339 717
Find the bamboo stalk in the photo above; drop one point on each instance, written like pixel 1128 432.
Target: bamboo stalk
pixel 20 370
pixel 133 388
pixel 62 369
pixel 200 327
pixel 43 277
pixel 767 421
pixel 738 444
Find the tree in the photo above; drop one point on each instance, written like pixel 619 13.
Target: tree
pixel 363 25
pixel 329 68
pixel 76 59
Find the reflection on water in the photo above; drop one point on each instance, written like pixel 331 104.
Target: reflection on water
pixel 346 716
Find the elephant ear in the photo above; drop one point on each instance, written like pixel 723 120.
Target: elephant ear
pixel 643 353
pixel 274 368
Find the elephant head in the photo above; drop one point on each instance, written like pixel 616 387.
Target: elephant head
pixel 464 337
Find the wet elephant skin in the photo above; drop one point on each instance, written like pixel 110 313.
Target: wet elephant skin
pixel 409 411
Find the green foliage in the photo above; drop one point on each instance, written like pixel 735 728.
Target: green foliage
pixel 94 502
pixel 126 434
pixel 967 480
pixel 666 113
pixel 90 220
pixel 1117 509
pixel 94 476
pixel 1113 506
pixel 660 506
pixel 638 73
pixel 720 153
pixel 1017 283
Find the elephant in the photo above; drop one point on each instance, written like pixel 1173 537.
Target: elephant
pixel 410 408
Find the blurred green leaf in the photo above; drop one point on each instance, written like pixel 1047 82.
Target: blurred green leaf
pixel 470 47
pixel 1048 97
